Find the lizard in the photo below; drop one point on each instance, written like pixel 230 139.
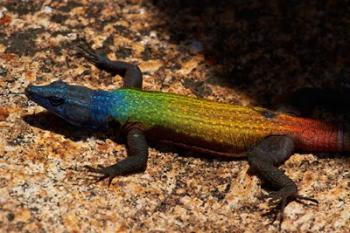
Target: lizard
pixel 267 138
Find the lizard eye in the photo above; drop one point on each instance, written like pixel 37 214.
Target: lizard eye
pixel 56 101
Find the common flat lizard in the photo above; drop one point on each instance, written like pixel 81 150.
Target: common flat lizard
pixel 265 137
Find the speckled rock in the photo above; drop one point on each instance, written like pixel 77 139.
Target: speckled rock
pixel 233 51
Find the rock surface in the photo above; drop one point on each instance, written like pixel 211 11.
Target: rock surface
pixel 177 44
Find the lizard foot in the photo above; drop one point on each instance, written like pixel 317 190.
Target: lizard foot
pixel 106 172
pixel 84 49
pixel 279 200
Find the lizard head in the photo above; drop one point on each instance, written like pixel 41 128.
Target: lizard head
pixel 70 102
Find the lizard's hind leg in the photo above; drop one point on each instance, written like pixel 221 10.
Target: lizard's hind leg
pixel 263 159
pixel 131 74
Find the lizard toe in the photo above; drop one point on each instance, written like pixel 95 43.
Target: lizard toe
pixel 279 200
pixel 106 172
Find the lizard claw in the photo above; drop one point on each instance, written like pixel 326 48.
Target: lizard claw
pixel 300 197
pixel 85 50
pixel 278 204
pixel 279 201
pixel 106 172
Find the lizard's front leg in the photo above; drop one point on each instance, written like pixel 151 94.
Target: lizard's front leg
pixel 135 162
pixel 263 159
pixel 131 74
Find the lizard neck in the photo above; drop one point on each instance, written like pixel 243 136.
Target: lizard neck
pixel 102 103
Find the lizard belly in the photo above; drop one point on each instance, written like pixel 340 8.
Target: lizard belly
pixel 207 143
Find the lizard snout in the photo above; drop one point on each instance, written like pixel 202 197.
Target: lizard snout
pixel 28 91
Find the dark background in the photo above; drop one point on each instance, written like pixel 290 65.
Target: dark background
pixel 265 49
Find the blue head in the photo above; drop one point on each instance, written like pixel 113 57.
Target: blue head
pixel 78 105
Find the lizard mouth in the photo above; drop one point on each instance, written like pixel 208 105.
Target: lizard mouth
pixel 35 93
pixel 31 93
pixel 28 91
